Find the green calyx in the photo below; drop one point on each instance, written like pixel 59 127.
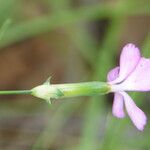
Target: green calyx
pixel 47 91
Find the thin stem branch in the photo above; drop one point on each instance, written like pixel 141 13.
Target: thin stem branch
pixel 15 92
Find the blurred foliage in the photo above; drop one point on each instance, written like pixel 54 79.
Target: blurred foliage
pixel 86 35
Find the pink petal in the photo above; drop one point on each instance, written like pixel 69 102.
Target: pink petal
pixel 113 74
pixel 137 116
pixel 129 58
pixel 139 80
pixel 117 109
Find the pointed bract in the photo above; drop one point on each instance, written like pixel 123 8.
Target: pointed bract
pixel 47 82
pixel 49 101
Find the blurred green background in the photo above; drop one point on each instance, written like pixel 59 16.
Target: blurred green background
pixel 72 41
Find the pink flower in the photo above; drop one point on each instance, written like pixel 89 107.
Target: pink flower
pixel 133 74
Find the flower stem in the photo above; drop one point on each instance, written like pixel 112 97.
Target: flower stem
pixel 13 92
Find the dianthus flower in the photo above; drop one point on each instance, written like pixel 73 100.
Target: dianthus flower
pixel 132 74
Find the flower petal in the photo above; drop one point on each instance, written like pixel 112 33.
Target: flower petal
pixel 137 116
pixel 113 74
pixel 117 108
pixel 129 58
pixel 139 80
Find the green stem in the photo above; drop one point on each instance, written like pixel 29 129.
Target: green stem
pixel 15 92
